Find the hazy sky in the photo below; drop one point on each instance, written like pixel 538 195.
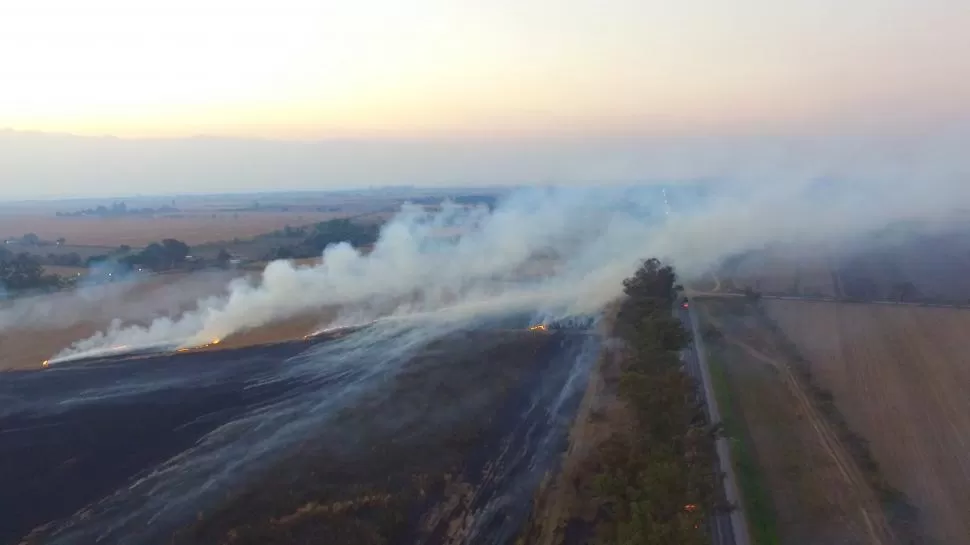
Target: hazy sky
pixel 302 68
pixel 497 70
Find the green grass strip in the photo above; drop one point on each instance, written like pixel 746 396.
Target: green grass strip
pixel 759 507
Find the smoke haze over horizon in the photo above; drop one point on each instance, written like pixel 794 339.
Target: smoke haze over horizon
pixel 243 95
pixel 56 165
pixel 589 238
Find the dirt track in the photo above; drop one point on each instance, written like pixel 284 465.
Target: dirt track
pixel 875 523
pixel 818 490
pixel 901 376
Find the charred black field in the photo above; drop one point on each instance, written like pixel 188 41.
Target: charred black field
pixel 378 437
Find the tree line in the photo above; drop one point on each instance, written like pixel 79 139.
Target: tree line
pixel 20 272
pixel 165 255
pixel 657 482
pixel 118 209
pixel 310 241
pixel 25 272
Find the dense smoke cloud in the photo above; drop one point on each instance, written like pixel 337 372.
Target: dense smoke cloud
pixel 552 251
pixel 128 297
pixel 466 259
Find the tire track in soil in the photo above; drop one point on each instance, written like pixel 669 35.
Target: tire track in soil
pixel 900 376
pixel 866 379
pixel 875 521
pixel 873 367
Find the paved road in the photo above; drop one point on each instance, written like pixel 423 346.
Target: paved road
pixel 726 528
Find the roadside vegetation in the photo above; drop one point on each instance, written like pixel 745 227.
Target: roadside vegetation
pixel 656 480
pixel 759 508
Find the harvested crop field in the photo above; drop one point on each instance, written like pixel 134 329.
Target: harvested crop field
pixel 36 328
pixel 805 271
pixel 33 329
pixel 800 481
pixel 193 227
pixel 901 376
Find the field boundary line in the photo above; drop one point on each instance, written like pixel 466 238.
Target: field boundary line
pixel 847 467
pixel 739 518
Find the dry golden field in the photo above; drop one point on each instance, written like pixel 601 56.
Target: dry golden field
pixel 54 322
pixel 807 271
pixel 34 329
pixel 191 227
pixel 799 481
pixel 901 377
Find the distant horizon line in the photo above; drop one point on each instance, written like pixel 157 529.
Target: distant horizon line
pixel 443 190
pixel 253 193
pixel 657 136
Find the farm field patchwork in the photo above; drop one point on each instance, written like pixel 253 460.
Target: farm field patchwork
pixel 901 377
pixel 800 482
pixel 191 227
pixel 807 271
pixel 35 328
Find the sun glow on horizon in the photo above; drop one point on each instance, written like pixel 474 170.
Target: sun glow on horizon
pixel 300 68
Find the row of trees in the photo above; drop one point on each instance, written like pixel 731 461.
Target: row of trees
pixel 24 272
pixel 33 239
pixel 158 256
pixel 657 481
pixel 118 209
pixel 313 240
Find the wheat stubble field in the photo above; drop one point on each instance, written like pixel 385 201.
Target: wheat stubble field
pixel 35 328
pixel 800 483
pixel 192 228
pixel 901 377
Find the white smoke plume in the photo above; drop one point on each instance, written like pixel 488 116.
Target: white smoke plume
pixel 132 297
pixel 579 243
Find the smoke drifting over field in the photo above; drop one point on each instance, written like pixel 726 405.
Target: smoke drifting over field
pixel 468 260
pixel 134 298
pixel 552 251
